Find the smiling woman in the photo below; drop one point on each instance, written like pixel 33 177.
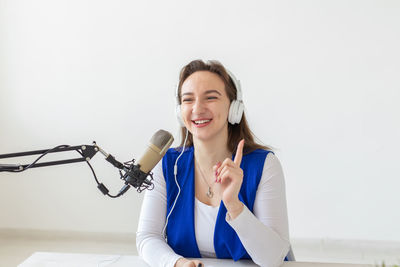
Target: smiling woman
pixel 238 126
pixel 219 194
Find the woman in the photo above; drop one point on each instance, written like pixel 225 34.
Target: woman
pixel 219 194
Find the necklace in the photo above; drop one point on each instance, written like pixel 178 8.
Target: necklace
pixel 209 193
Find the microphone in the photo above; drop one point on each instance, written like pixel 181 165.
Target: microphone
pixel 137 175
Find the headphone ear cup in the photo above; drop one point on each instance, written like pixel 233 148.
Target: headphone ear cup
pixel 235 112
pixel 179 115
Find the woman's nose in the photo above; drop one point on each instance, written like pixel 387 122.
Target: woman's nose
pixel 198 106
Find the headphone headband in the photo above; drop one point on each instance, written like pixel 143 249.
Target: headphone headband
pixel 237 84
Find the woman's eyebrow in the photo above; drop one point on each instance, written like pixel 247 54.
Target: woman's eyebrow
pixel 212 91
pixel 206 92
pixel 187 94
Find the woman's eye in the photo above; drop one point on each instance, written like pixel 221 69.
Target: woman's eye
pixel 212 97
pixel 186 100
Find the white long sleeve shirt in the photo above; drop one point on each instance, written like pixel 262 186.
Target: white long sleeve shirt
pixel 264 233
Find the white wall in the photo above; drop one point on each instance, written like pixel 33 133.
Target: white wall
pixel 320 82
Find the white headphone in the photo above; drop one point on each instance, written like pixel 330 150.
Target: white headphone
pixel 235 110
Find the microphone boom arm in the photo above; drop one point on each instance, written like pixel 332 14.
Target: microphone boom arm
pixel 87 152
pixel 130 173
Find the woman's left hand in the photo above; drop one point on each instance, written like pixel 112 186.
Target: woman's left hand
pixel 230 176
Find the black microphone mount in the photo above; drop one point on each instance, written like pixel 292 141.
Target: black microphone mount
pixel 129 172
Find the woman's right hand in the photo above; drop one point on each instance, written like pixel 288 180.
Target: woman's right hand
pixel 182 262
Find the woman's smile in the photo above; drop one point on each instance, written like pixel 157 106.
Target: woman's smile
pixel 199 123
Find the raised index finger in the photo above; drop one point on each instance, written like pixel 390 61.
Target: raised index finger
pixel 239 153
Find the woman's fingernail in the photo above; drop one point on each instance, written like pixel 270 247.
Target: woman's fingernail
pixel 200 265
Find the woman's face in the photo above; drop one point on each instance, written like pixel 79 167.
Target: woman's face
pixel 205 105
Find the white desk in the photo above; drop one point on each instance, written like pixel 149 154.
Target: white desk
pixel 47 259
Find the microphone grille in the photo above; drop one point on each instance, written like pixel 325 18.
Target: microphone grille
pixel 161 138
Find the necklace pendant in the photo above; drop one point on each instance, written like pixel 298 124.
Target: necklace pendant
pixel 209 194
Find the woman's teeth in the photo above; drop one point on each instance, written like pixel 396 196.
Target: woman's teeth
pixel 201 121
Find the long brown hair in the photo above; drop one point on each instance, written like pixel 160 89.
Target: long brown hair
pixel 236 132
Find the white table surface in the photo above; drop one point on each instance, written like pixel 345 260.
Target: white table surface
pixel 51 259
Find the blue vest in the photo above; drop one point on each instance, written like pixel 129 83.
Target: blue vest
pixel 180 229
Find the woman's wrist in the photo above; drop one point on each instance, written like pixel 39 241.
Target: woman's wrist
pixel 235 209
pixel 180 262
